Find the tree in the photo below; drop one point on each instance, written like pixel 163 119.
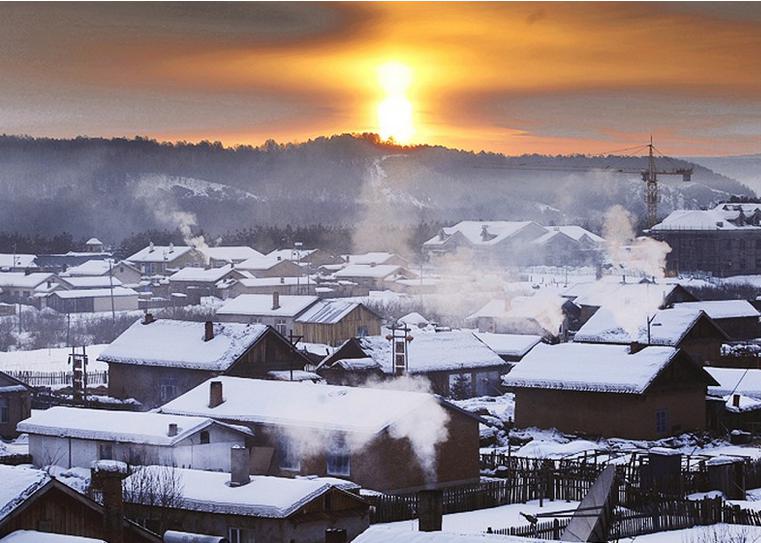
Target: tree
pixel 460 388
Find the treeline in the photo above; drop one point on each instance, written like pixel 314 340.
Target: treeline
pixel 15 242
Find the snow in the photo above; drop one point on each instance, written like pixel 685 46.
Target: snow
pixel 294 375
pixel 472 230
pixel 18 483
pixel 369 258
pixel 308 405
pixel 577 233
pixel 599 293
pixel 160 253
pixel 388 533
pixel 31 536
pixel 230 254
pixel 722 217
pixel 319 349
pixel 92 268
pixel 17 260
pixel 92 281
pixel 173 343
pixel 714 533
pixel 294 255
pixel 358 364
pixel 263 262
pixel 413 320
pixel 668 327
pixel 327 311
pixel 23 280
pixel 262 305
pixel 746 382
pixel 211 275
pixel 117 292
pixel 746 404
pixel 723 309
pixel 54 359
pixel 590 367
pixel 365 270
pixel 105 425
pixel 273 281
pixel 263 496
pixel 508 344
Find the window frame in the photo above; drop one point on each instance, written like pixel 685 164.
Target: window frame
pixel 5 410
pixel 338 458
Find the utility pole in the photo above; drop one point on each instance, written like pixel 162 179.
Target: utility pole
pixel 111 287
pixel 651 187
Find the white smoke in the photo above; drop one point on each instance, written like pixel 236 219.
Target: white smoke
pixel 635 255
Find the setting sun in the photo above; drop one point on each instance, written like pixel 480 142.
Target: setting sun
pixel 395 110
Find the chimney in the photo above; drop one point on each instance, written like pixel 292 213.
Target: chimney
pixel 172 430
pixel 635 347
pixel 208 331
pixel 430 510
pixel 239 466
pixel 276 300
pixel 282 280
pixel 107 476
pixel 148 318
pixel 335 535
pixel 215 394
pixel 151 247
pixel 171 247
pixel 735 400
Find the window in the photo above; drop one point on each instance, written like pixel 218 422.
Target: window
pixel 661 421
pixel 233 535
pixel 105 451
pixel 280 326
pixel 168 388
pixel 288 455
pixel 487 382
pixel 362 331
pixel 5 414
pixel 204 438
pixel 339 458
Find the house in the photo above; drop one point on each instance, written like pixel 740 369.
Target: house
pixel 566 246
pixel 738 318
pixel 93 300
pixel 739 392
pixel 196 282
pixel 610 390
pixel 164 259
pixel 536 315
pixel 509 347
pixel 122 270
pixel 312 257
pixel 81 282
pixel 20 287
pixel 223 256
pixel 154 361
pixel 15 404
pixel 290 286
pixel 273 310
pixel 369 436
pixel 331 322
pixel 271 266
pixel 31 500
pixel 375 258
pixel 373 276
pixel 246 508
pixel 76 437
pixel 94 245
pixel 456 363
pixel 13 262
pixel 684 326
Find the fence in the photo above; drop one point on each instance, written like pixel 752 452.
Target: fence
pixel 57 378
pixel 551 529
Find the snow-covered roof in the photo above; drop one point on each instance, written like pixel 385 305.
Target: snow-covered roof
pixel 497 231
pixel 122 426
pixel 735 381
pixel 92 281
pixel 635 294
pixel 23 280
pixel 201 275
pixel 390 533
pixel 577 232
pixel 262 305
pixel 413 319
pixel 262 496
pixel 328 311
pixel 117 292
pixel 590 368
pixel 93 241
pixel 17 261
pixel 746 403
pixel 306 405
pixel 722 217
pixel 18 483
pixel 378 271
pixel 291 254
pixel 509 344
pixel 180 344
pixel 160 253
pixel 32 536
pixel 273 281
pixel 236 254
pixel 259 262
pixel 95 267
pixel 377 257
pixel 723 309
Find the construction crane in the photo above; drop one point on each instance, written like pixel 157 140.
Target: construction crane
pixel 649 175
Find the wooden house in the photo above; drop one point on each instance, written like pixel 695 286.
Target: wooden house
pixel 372 276
pixel 164 260
pixel 93 300
pixel 155 361
pixel 217 257
pixel 270 309
pixel 367 435
pixel 275 266
pixel 28 288
pixel 195 283
pixel 331 322
pixel 125 272
pixel 15 404
pixel 289 286
pixel 248 509
pixel 738 395
pixel 610 390
pixel 737 318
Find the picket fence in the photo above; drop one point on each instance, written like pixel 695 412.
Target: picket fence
pixel 57 378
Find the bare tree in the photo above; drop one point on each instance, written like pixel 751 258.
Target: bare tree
pixel 154 494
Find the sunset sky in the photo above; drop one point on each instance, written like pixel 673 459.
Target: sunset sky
pixel 515 78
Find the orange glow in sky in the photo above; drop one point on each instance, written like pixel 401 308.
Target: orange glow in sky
pixel 395 110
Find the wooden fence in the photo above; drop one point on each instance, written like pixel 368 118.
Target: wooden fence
pixel 551 529
pixel 57 378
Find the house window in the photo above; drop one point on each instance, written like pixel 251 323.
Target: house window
pixel 5 414
pixel 339 458
pixel 288 455
pixel 233 535
pixel 280 326
pixel 105 451
pixel 661 421
pixel 362 331
pixel 205 438
pixel 487 382
pixel 168 388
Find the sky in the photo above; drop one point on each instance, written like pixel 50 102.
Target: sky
pixel 507 77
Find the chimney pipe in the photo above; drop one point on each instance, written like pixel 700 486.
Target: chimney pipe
pixel 107 476
pixel 276 300
pixel 208 331
pixel 215 394
pixel 430 509
pixel 148 318
pixel 735 400
pixel 239 466
pixel 335 535
pixel 635 347
pixel 172 430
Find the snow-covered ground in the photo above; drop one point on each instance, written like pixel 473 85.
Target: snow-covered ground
pixel 53 359
pixel 718 533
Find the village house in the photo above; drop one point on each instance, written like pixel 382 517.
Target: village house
pixel 375 258
pixel 313 258
pixel 15 404
pixel 20 287
pixel 290 286
pixel 154 361
pixel 331 322
pixel 373 276
pixel 123 271
pixel 248 509
pixel 738 392
pixel 566 246
pixel 93 300
pixel 610 390
pixel 738 318
pixel 521 315
pixel 82 282
pixel 76 437
pixel 457 363
pixel 13 262
pixel 94 245
pixel 684 326
pixel 165 259
pixel 271 266
pixel 194 282
pixel 367 435
pixel 509 347
pixel 273 310
pixel 32 500
pixel 216 257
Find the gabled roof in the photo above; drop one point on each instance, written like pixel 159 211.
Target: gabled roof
pixel 91 281
pixel 296 255
pixel 262 262
pixel 237 253
pixel 24 280
pixel 160 253
pixel 509 344
pixel 18 484
pixel 497 231
pixel 722 309
pixel 366 270
pixel 577 232
pixel 203 275
pixel 122 426
pixel 592 368
pixel 17 261
pixel 377 257
pixel 33 536
pixel 735 381
pixel 180 344
pixel 636 294
pixel 328 311
pixel 97 267
pixel 263 496
pixel 117 292
pixel 262 305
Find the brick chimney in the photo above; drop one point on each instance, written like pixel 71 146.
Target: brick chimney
pixel 172 430
pixel 208 331
pixel 735 400
pixel 276 300
pixel 148 318
pixel 215 394
pixel 239 466
pixel 430 507
pixel 635 347
pixel 107 476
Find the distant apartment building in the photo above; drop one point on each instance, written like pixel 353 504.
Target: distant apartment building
pixel 722 241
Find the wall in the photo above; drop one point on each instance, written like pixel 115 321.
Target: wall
pixel 121 303
pixel 335 334
pixel 719 252
pixel 143 383
pixel 19 408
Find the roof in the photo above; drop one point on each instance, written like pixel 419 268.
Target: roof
pixel 291 254
pixel 180 344
pixel 328 311
pixel 237 253
pixel 472 231
pixel 195 274
pixel 261 305
pixel 590 368
pixel 722 217
pixel 117 292
pixel 122 426
pixel 367 270
pixel 96 267
pixel 17 261
pixel 93 241
pixel 263 496
pixel 32 536
pixel 746 382
pixel 577 232
pixel 302 405
pixel 92 281
pixel 634 294
pixel 509 344
pixel 723 309
pixel 377 257
pixel 18 484
pixel 260 262
pixel 273 281
pixel 160 253
pixel 23 280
